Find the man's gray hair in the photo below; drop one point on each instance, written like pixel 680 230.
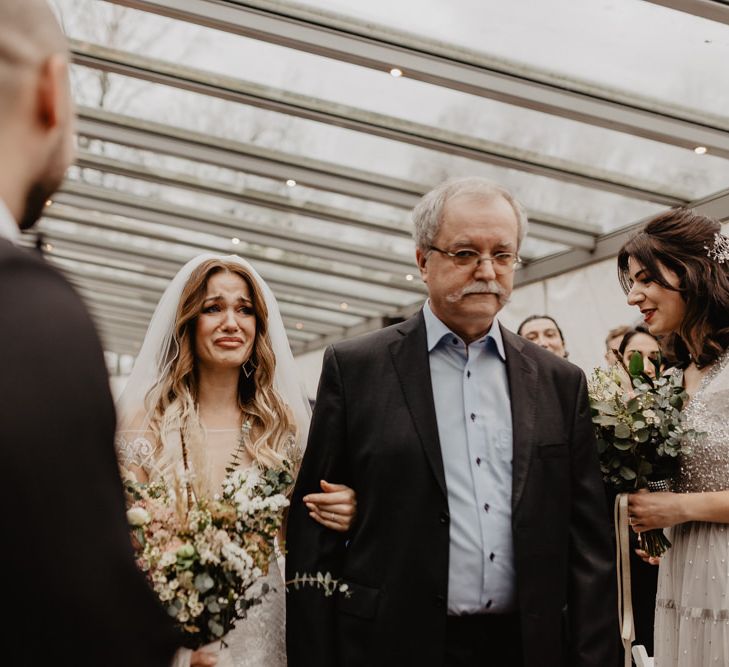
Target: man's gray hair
pixel 428 213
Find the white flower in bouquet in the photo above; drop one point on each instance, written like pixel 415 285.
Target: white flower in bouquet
pixel 138 516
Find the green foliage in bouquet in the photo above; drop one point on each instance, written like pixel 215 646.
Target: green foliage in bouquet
pixel 639 429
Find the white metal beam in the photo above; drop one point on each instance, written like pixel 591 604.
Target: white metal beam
pixel 713 10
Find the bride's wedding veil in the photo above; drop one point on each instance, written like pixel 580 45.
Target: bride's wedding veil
pixel 159 350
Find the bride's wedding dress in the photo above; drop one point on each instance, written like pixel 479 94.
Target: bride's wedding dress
pixel 259 640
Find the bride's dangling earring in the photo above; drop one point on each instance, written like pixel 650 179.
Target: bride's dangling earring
pixel 249 367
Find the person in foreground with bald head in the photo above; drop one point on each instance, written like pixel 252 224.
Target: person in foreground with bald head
pixel 72 592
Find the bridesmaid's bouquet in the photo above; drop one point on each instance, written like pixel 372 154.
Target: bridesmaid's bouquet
pixel 203 557
pixel 639 429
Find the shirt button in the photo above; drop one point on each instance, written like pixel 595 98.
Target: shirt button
pixel 455 341
pixel 487 507
pixel 478 461
pixel 489 603
pixel 444 517
pixel 468 374
pixel 492 555
pixel 473 416
pixel 440 601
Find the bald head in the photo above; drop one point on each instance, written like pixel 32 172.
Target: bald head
pixel 29 35
pixel 36 111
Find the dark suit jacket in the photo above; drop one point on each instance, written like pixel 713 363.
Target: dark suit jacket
pixel 71 591
pixel 374 428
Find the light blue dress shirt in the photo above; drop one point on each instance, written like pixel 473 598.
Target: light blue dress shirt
pixel 473 409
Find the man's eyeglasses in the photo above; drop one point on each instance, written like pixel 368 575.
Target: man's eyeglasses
pixel 503 262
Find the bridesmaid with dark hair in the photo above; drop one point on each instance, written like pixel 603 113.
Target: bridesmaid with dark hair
pixel 676 271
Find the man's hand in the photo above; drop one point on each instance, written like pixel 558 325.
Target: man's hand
pixel 336 508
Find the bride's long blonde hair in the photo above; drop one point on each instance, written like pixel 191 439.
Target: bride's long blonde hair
pixel 273 431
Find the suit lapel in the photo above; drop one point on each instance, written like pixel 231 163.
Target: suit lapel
pixel 522 373
pixel 412 365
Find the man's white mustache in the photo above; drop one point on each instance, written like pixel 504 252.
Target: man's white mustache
pixel 480 287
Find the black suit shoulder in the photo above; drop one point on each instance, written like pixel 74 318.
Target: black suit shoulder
pixel 26 276
pixel 374 342
pixel 46 332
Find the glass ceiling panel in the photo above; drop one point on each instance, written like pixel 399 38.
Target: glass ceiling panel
pixel 232 55
pixel 403 248
pixel 396 248
pixel 626 44
pixel 356 150
pixel 372 210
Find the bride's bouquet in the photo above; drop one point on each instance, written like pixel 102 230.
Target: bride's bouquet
pixel 203 557
pixel 639 429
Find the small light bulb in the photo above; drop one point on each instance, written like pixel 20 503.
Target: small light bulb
pixel 344 305
pixel 409 276
pixel 291 183
pixel 299 326
pixel 49 202
pixel 396 72
pixel 700 150
pixel 235 240
pixel 48 247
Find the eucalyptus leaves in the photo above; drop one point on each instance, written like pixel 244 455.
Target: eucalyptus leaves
pixel 638 425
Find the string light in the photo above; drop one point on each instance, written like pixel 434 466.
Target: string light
pixel 396 72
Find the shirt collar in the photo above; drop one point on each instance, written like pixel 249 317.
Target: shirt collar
pixel 436 330
pixel 8 227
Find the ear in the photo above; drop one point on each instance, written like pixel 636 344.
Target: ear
pixel 421 258
pixel 52 104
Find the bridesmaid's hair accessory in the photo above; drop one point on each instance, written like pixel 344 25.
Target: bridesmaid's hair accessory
pixel 719 252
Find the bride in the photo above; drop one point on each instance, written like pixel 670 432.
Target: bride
pixel 215 386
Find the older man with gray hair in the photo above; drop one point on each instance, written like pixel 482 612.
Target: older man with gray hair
pixel 481 536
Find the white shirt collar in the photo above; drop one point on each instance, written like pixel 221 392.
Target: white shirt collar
pixel 8 227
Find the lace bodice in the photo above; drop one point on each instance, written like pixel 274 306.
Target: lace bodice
pixel 135 449
pixel 705 463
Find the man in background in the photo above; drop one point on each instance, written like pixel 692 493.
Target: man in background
pixel 544 331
